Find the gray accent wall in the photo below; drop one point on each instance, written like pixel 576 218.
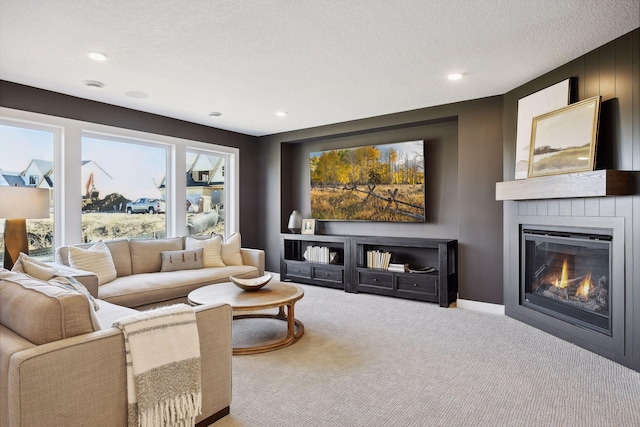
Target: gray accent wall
pixel 463 147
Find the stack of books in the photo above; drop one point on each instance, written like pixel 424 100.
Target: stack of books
pixel 319 254
pixel 378 259
pixel 401 268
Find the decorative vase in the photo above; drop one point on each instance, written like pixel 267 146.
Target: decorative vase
pixel 295 222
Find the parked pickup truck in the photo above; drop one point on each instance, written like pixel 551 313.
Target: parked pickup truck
pixel 145 205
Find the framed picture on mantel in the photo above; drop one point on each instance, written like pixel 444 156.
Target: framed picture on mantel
pixel 564 140
pixel 540 102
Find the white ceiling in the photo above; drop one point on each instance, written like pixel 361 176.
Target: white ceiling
pixel 323 61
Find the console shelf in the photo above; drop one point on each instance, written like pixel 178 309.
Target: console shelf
pixel 293 265
pixel 350 271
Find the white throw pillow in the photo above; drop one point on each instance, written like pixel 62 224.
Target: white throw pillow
pixel 97 259
pixel 33 267
pixel 211 250
pixel 38 271
pixel 230 250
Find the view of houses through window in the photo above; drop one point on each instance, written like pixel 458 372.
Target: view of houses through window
pixel 125 186
pixel 121 189
pixel 205 193
pixel 26 160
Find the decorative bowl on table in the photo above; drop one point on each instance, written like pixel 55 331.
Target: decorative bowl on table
pixel 251 284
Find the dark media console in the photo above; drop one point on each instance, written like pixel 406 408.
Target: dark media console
pixel 349 271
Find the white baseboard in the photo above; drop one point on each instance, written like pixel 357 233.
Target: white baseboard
pixel 485 307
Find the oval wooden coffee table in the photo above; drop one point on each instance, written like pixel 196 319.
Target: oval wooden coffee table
pixel 274 295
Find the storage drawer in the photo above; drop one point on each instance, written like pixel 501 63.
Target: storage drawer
pixel 373 278
pixel 422 284
pixel 328 274
pixel 299 270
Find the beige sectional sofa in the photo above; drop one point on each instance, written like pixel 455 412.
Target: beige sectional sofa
pixel 139 282
pixel 61 361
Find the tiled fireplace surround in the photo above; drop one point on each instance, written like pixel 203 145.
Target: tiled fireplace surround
pixel 593 213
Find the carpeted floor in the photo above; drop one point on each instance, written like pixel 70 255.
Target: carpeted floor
pixel 368 360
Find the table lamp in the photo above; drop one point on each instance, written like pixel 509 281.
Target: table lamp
pixel 16 205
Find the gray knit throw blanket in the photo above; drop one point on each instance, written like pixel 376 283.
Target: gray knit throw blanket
pixel 163 367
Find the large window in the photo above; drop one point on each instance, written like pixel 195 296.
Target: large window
pixel 27 160
pixel 100 172
pixel 122 189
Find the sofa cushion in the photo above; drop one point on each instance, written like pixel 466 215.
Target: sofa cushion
pixel 230 250
pixel 188 259
pixel 110 313
pixel 41 311
pixel 145 254
pixel 121 256
pixel 152 288
pixel 96 259
pixel 212 247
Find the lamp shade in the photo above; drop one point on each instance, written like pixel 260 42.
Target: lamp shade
pixel 24 202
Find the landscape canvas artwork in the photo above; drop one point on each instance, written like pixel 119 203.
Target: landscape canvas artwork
pixel 370 183
pixel 564 141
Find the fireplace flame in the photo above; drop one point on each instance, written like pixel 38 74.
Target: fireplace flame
pixel 564 278
pixel 583 288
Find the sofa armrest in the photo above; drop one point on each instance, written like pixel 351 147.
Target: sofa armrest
pixel 214 330
pixel 88 279
pixel 82 378
pixel 69 381
pixel 253 257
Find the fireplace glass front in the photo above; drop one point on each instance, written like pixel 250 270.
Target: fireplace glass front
pixel 566 274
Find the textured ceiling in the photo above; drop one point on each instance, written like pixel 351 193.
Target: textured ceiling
pixel 322 61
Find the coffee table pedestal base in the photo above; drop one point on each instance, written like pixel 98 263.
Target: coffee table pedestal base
pixel 295 330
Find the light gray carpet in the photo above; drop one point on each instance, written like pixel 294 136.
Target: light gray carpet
pixel 368 360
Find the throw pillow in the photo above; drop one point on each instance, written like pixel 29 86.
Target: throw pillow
pixel 211 256
pixel 181 260
pixel 230 250
pixel 33 267
pixel 97 259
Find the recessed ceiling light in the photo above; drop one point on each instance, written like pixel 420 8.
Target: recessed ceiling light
pixel 281 113
pixel 93 84
pixel 97 56
pixel 215 114
pixel 454 76
pixel 136 94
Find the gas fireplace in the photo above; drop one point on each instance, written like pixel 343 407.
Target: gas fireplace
pixel 566 274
